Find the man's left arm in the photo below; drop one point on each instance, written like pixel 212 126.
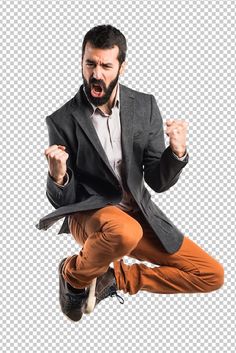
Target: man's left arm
pixel 163 166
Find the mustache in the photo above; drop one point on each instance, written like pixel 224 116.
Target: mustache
pixel 98 82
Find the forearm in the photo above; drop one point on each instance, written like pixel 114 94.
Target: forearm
pixel 61 195
pixel 162 174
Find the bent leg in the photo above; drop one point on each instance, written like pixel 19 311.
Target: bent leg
pixel 107 234
pixel 189 270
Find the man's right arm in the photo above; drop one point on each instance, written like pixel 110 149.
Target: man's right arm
pixel 65 181
pixel 60 195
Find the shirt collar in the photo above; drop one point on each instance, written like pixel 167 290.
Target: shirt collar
pixel 117 99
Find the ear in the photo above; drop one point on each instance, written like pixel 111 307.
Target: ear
pixel 123 67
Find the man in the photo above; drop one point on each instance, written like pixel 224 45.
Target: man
pixel 103 144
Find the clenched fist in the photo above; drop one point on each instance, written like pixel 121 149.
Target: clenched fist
pixel 57 157
pixel 177 131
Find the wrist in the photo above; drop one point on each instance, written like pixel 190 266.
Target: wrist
pixel 180 153
pixel 60 181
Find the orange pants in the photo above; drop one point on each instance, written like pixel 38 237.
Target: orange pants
pixel 107 234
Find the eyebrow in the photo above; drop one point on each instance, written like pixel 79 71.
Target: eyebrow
pixel 93 62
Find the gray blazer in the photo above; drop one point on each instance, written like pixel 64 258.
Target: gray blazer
pixel 93 184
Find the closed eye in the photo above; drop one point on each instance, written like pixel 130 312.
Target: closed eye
pixel 105 66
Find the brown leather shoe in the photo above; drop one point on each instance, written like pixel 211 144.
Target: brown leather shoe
pixel 102 287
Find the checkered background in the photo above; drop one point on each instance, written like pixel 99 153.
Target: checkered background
pixel 181 51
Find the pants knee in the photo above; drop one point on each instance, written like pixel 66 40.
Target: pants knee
pixel 216 280
pixel 130 235
pixel 219 275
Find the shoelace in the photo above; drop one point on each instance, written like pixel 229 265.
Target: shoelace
pixel 111 292
pixel 119 297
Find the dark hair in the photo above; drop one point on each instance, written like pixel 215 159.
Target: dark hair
pixel 105 37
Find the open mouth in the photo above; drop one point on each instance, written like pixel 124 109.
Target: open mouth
pixel 96 90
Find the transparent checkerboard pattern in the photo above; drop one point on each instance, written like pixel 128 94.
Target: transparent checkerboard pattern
pixel 183 52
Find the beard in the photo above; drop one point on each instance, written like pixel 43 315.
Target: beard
pixel 97 101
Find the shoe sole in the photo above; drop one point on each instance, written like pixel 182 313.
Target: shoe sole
pixel 91 301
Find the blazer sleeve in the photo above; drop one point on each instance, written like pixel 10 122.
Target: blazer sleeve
pixel 57 195
pixel 161 168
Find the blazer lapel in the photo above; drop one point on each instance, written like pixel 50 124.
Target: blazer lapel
pixel 83 112
pixel 126 117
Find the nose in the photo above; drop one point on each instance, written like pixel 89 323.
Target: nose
pixel 97 72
